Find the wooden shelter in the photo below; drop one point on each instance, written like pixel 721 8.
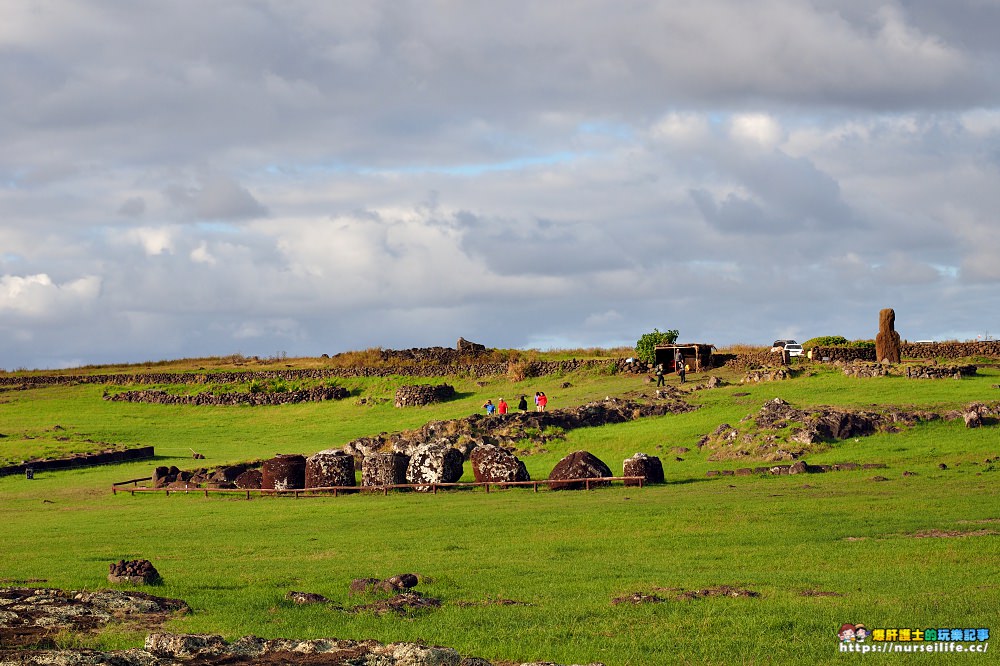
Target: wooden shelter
pixel 697 355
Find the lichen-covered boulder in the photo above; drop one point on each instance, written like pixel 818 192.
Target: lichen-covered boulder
pixel 496 464
pixel 578 465
pixel 434 463
pixel 329 468
pixel 384 469
pixel 648 467
pixel 284 472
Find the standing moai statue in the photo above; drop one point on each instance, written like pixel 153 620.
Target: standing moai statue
pixel 887 340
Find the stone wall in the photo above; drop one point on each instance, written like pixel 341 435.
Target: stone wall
pixel 158 397
pixel 533 369
pixel 744 361
pixel 988 349
pixel 844 354
pixel 423 394
pixel 82 460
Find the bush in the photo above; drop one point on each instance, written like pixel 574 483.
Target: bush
pixel 517 371
pixel 645 347
pixel 824 341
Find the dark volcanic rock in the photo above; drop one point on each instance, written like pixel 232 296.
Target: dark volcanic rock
pixel 492 463
pixel 434 463
pixel 284 472
pixel 250 479
pixel 384 469
pixel 137 572
pixel 648 467
pixel 332 467
pixel 578 465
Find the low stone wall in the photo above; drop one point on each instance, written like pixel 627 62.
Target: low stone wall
pixel 844 354
pixel 158 397
pixel 749 360
pixel 939 371
pixel 82 460
pixel 532 369
pixel 423 394
pixel 989 349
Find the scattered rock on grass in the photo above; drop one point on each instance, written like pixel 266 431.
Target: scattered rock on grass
pixel 137 572
pixel 303 598
pixel 406 603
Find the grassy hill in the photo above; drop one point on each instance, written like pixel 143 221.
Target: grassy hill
pixel 819 550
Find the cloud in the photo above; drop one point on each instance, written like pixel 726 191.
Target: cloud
pixel 37 297
pixel 333 175
pixel 216 197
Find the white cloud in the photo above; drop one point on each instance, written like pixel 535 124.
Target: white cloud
pixel 153 240
pixel 202 255
pixel 757 129
pixel 38 297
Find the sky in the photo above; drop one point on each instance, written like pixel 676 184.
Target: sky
pixel 298 177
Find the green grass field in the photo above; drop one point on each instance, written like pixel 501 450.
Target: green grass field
pixel 565 554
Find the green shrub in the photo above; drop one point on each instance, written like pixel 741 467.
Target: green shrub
pixel 824 341
pixel 645 346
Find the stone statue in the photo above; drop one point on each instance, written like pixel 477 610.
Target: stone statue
pixel 887 340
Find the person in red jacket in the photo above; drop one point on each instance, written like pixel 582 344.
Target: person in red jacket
pixel 502 407
pixel 542 401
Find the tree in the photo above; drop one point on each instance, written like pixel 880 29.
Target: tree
pixel 645 346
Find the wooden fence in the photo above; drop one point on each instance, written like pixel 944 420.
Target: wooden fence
pixel 122 486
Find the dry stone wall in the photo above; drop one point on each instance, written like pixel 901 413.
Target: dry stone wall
pixel 81 460
pixel 423 394
pixel 317 394
pixel 533 369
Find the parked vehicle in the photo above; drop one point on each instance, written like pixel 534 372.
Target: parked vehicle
pixel 793 347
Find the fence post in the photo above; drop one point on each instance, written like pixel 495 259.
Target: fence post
pixel 587 481
pixel 487 489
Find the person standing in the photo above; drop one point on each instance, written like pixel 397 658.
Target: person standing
pixel 501 407
pixel 538 407
pixel 681 370
pixel 522 404
pixel 489 407
pixel 659 375
pixel 543 400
